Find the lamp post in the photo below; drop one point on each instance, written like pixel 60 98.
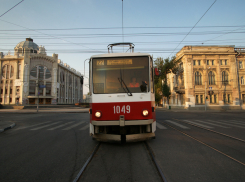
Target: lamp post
pixel 205 88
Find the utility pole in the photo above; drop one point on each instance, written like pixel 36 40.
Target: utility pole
pixel 239 91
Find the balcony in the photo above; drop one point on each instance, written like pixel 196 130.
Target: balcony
pixel 180 89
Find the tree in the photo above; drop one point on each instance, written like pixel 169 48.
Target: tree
pixel 165 66
pixel 166 91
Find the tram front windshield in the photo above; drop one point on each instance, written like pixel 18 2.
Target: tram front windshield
pixel 120 75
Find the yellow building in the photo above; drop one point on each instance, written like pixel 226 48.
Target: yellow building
pixel 211 73
pixel 30 76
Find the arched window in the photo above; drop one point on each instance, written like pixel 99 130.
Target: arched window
pixel 8 71
pixel 40 72
pixel 225 78
pixel 242 80
pixel 211 78
pixel 198 78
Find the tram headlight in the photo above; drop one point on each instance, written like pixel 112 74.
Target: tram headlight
pixel 97 114
pixel 145 112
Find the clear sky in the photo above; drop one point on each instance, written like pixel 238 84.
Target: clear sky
pixel 78 29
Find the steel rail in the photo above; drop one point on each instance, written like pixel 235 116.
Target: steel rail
pixel 155 162
pixel 226 155
pixel 86 163
pixel 241 140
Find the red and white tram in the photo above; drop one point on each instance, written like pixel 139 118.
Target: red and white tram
pixel 122 104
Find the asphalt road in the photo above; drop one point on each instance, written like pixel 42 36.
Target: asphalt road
pixel 54 147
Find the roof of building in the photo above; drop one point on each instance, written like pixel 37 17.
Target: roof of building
pixel 28 43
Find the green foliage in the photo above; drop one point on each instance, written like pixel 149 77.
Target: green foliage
pixel 157 97
pixel 166 90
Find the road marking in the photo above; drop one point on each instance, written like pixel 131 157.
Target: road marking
pixel 212 123
pixel 46 126
pixel 61 125
pixel 85 127
pixel 73 126
pixel 237 122
pixel 202 125
pixel 160 126
pixel 31 126
pixel 177 124
pixel 225 123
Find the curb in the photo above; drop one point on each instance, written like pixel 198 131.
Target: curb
pixel 7 128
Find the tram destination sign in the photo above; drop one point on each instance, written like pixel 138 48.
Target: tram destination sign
pixel 119 62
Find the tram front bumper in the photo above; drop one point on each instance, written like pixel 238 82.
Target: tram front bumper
pixel 122 122
pixel 129 138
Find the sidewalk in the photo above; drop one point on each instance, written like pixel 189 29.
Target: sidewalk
pixel 196 111
pixel 5 125
pixel 46 110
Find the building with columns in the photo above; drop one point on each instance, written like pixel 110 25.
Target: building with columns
pixel 214 73
pixel 31 76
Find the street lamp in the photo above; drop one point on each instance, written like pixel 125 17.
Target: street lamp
pixel 205 88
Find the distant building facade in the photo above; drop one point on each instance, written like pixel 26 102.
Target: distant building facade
pixel 30 76
pixel 208 72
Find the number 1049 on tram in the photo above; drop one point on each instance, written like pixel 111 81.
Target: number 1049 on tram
pixel 122 104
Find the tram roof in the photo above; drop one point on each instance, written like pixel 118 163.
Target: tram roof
pixel 120 55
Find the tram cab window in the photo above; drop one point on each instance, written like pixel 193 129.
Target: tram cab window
pixel 112 75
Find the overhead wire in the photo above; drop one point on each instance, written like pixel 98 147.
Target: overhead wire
pixel 11 8
pixel 193 26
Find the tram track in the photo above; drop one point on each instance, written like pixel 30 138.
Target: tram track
pixel 207 145
pixel 96 149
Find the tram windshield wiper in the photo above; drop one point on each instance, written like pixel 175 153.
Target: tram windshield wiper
pixel 123 85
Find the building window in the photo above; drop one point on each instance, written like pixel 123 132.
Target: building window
pixel 212 62
pixel 199 62
pixel 225 78
pixel 48 88
pixel 34 72
pixel 229 98
pixel 240 65
pixel 220 62
pixel 70 80
pixel 10 100
pixel 196 99
pixel 32 87
pixel 40 90
pixel 47 74
pixel 225 62
pixel 211 78
pixel 211 99
pixel 215 98
pixel 194 62
pixel 19 71
pixel 198 78
pixel 242 80
pixel 10 90
pixel 6 91
pixel 207 62
pixel 8 71
pixel 1 100
pixel 201 99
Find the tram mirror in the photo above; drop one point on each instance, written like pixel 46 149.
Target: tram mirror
pixel 81 80
pixel 156 71
pixel 143 87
